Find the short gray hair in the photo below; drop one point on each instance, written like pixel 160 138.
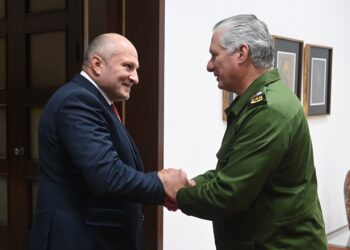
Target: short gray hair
pixel 103 46
pixel 248 29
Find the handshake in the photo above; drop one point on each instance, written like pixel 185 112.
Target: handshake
pixel 173 180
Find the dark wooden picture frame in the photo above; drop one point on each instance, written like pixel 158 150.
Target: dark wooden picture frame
pixel 317 79
pixel 288 59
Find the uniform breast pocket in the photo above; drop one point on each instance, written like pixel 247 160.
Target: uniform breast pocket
pixel 224 153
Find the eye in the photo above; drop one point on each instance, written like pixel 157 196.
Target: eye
pixel 213 56
pixel 128 66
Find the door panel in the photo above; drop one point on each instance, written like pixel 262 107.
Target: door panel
pixel 47 65
pixel 2 63
pixel 34 116
pixel 34 122
pixel 2 9
pixel 36 6
pixel 3 201
pixel 3 141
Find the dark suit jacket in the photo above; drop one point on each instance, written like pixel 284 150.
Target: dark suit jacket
pixel 91 179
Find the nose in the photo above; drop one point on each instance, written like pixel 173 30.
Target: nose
pixel 210 66
pixel 134 77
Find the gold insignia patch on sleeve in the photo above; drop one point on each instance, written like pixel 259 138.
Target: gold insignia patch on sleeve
pixel 257 99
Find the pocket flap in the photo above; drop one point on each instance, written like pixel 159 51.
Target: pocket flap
pixel 105 217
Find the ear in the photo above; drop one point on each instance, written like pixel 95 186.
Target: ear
pixel 96 64
pixel 243 51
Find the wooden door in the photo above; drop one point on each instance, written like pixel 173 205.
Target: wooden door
pixel 40 49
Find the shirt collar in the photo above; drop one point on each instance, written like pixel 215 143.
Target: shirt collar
pixel 263 80
pixel 84 74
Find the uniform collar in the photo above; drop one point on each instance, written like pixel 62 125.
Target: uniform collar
pixel 238 104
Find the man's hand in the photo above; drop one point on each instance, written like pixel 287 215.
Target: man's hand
pixel 173 180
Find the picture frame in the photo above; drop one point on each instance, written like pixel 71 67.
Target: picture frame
pixel 317 79
pixel 227 99
pixel 288 59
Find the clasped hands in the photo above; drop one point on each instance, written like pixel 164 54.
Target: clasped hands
pixel 173 180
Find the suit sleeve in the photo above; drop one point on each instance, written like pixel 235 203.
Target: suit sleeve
pixel 249 162
pixel 86 134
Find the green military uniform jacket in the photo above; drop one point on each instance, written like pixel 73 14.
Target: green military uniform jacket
pixel 263 192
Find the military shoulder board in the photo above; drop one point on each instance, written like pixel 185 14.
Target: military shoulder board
pixel 257 99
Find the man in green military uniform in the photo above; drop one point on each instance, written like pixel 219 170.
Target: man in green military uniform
pixel 263 192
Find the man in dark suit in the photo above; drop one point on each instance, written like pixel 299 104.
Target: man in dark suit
pixel 91 179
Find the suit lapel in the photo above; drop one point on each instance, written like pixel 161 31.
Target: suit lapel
pixel 86 84
pixel 135 153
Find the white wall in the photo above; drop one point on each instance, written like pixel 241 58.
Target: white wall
pixel 193 104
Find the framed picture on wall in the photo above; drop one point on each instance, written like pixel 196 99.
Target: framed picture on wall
pixel 317 79
pixel 227 98
pixel 288 59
